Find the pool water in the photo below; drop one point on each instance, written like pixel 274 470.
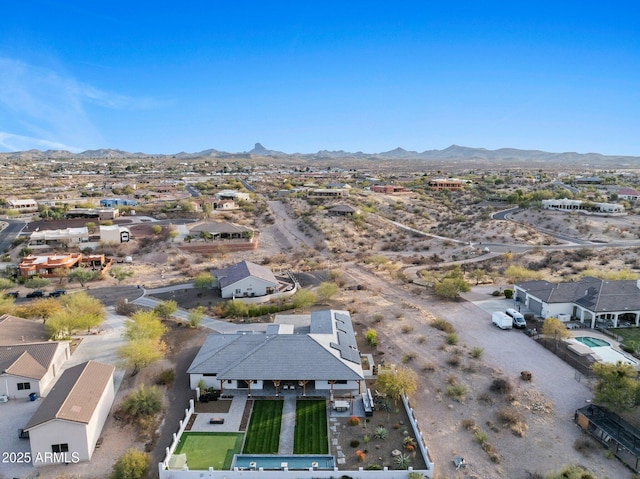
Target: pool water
pixel 270 461
pixel 603 349
pixel 592 342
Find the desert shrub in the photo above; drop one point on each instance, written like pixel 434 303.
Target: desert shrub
pixel 451 338
pixel 166 377
pixel 380 433
pixel 443 325
pixel 476 352
pixel 501 386
pixel 406 328
pixel 354 421
pixel 572 472
pixel 480 436
pixel 421 339
pixel 408 357
pixel 457 392
pixel 133 464
pixel 125 308
pixel 485 398
pixel 430 367
pixel 583 446
pixel 509 416
pixel 143 401
pixel 526 375
pixel 496 293
pixel 454 361
pixel 469 424
pixel 374 467
pixel 354 443
pixel 372 337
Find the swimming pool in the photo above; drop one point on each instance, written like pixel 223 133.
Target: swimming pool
pixel 604 349
pixel 592 342
pixel 275 462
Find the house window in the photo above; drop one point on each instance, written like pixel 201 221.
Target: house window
pixel 238 291
pixel 229 381
pixel 210 374
pixel 24 386
pixel 341 381
pixel 60 447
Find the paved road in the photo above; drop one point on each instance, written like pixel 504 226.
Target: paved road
pixel 9 233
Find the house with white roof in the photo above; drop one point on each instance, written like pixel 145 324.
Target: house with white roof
pixel 322 355
pixel 68 423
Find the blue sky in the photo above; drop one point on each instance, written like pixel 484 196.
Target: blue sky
pixel 164 77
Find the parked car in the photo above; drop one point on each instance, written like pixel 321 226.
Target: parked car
pixel 35 294
pixel 56 293
pixel 518 318
pixel 12 294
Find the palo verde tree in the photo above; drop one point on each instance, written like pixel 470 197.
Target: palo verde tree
pixel 120 274
pixel 144 341
pixel 397 382
pixel 166 309
pixel 82 275
pixel 203 280
pixel 452 284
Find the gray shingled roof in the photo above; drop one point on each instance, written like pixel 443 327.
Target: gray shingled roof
pixel 244 269
pixel 75 395
pixel 27 360
pixel 260 356
pixel 591 293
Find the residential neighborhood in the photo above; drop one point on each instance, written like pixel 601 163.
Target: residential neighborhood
pixel 343 328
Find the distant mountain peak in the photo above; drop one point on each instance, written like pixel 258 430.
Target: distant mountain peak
pixel 258 149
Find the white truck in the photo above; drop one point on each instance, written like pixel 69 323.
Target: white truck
pixel 502 320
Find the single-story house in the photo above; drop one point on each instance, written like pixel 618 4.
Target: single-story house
pixel 450 184
pixel 27 368
pixel 245 279
pixel 389 189
pixel 342 210
pixel 232 195
pixel 323 355
pixel 23 206
pixel 15 330
pixel 222 230
pixel 565 204
pixel 592 301
pixel 114 234
pixel 68 423
pixel 67 236
pixel 628 194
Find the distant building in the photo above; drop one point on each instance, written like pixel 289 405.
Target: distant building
pixel 232 195
pixel 584 206
pixel 450 184
pixel 114 234
pixel 327 192
pixel 388 189
pixel 342 210
pixel 103 214
pixel 113 202
pixel 628 194
pixel 23 206
pixel 66 237
pixel 46 266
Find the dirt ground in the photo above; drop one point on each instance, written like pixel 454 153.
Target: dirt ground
pixel 522 429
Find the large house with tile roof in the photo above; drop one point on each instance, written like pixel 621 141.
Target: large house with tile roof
pixel 245 279
pixel 320 355
pixel 27 368
pixel 592 301
pixel 68 423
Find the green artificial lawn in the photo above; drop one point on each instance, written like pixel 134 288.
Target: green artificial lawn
pixel 628 334
pixel 208 449
pixel 263 434
pixel 310 435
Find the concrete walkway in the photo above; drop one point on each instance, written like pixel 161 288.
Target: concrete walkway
pixel 288 424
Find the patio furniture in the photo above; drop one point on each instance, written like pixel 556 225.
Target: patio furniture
pixel 216 420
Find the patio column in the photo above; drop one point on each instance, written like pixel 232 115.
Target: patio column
pixel 276 383
pixel 248 381
pixel 304 387
pixel 331 383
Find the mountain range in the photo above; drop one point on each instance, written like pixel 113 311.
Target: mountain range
pixel 453 153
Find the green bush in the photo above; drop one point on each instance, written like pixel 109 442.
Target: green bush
pixel 166 377
pixel 508 293
pixel 133 464
pixel 142 402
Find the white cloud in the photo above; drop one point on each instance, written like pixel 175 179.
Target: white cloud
pixel 11 142
pixel 41 107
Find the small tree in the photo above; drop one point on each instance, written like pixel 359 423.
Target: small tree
pixel 61 274
pixel 327 290
pixel 195 316
pixel 203 280
pixel 553 328
pixel 139 353
pixel 303 299
pixel 395 383
pixel 618 387
pixel 133 464
pixel 166 309
pixel 36 282
pixel 120 274
pixel 144 325
pixel 156 229
pixel 372 337
pixel 6 284
pixel 82 275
